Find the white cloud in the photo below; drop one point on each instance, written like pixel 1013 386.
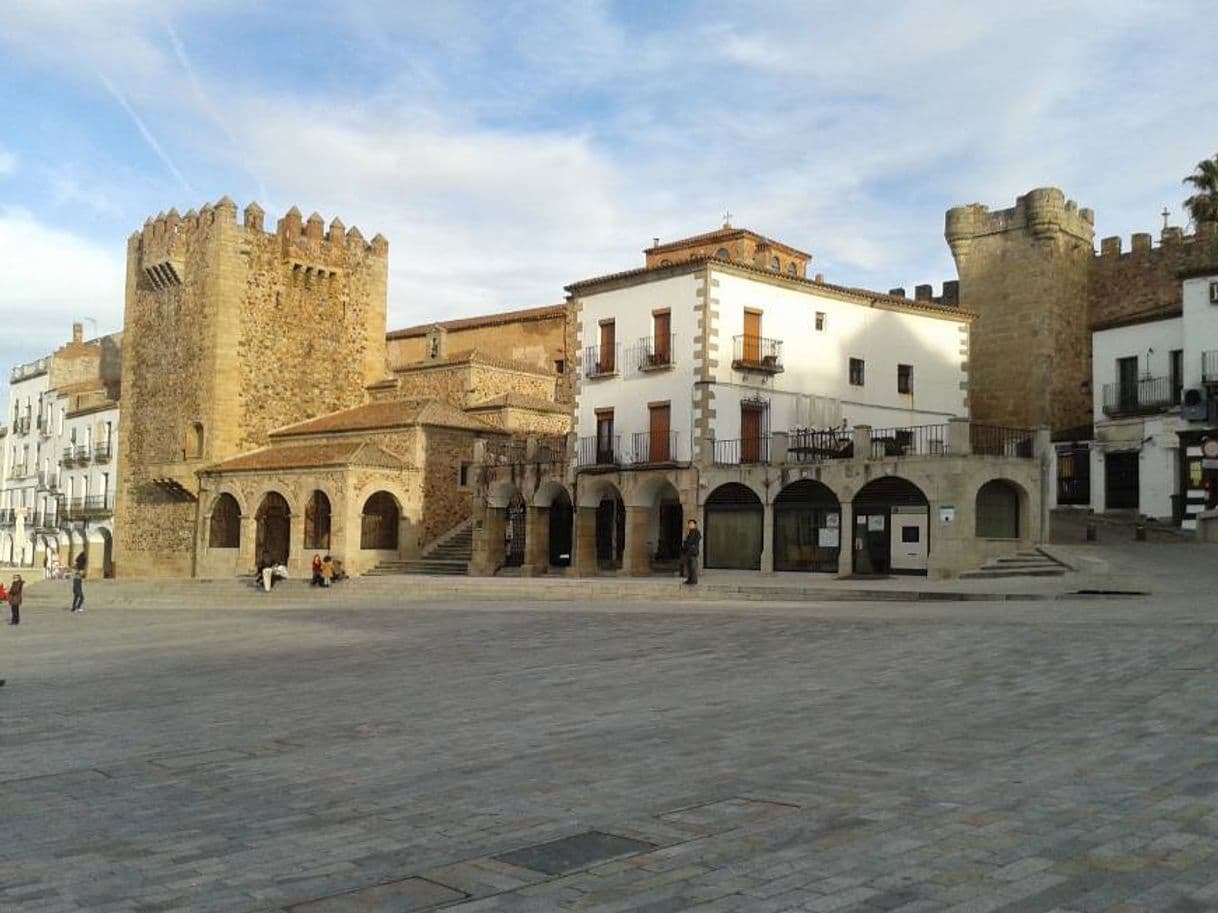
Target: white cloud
pixel 52 278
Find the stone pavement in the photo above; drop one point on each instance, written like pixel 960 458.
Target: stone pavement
pixel 991 756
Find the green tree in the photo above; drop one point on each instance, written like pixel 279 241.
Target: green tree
pixel 1203 205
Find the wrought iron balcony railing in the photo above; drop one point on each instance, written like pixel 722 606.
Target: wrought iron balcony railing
pixel 811 445
pixel 1144 396
pixel 917 440
pixel 647 447
pixel 600 450
pixel 742 451
pixel 90 507
pixel 655 353
pixel 601 361
pixel 102 453
pixel 757 353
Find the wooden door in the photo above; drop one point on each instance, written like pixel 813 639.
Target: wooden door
pixel 659 450
pixel 750 434
pixel 752 337
pixel 661 348
pixel 606 363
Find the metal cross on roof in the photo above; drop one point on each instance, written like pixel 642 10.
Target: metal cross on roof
pixel 727 219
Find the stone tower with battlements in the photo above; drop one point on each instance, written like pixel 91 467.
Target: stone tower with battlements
pixel 1025 272
pixel 231 331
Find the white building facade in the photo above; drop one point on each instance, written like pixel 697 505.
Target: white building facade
pixel 58 484
pixel 1155 388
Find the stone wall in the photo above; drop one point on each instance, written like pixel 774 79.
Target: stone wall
pixel 230 332
pixel 445 504
pixel 1145 279
pixel 534 341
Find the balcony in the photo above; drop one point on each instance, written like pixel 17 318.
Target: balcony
pixel 22 425
pixel 601 361
pixel 655 353
pixel 18 471
pixel 7 516
pixel 811 445
pixel 1209 367
pixel 1145 396
pixel 103 453
pixel 44 425
pixel 600 450
pixel 44 519
pixel 756 353
pixel 82 456
pixel 89 508
pixel 917 440
pixel 650 449
pixel 742 451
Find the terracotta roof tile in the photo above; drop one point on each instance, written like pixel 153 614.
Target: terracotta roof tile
pixel 486 320
pixel 310 456
pixel 389 413
pixel 726 233
pixel 471 356
pixel 520 401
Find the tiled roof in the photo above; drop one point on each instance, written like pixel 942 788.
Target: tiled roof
pixel 471 356
pixel 486 320
pixel 389 413
pixel 310 456
pixel 726 233
pixel 862 294
pixel 520 401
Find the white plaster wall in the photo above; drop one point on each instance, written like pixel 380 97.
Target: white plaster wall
pixel 1152 343
pixel 90 431
pixel 814 389
pixel 1200 323
pixel 629 392
pixel 25 392
pixel 1158 467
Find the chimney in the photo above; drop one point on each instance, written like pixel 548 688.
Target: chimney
pixel 78 332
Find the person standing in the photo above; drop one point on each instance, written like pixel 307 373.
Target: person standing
pixel 317 581
pixel 14 599
pixel 690 549
pixel 78 591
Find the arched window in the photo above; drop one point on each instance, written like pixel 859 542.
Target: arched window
pixel 225 530
pixel 194 441
pixel 379 523
pixel 791 269
pixel 776 265
pixel 723 254
pixel 317 522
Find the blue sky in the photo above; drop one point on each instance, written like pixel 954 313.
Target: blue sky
pixel 506 149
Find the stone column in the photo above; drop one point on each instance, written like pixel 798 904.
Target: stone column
pixel 297 562
pixel 862 443
pixel 636 556
pixel 488 551
pixel 845 540
pixel 767 539
pixel 537 540
pixel 246 559
pixel 1046 457
pixel 584 559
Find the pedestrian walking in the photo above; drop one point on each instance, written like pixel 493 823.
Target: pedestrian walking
pixel 78 591
pixel 14 599
pixel 689 551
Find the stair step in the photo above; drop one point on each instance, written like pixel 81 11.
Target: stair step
pixel 995 573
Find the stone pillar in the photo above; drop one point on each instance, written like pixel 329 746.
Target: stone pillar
pixel 246 559
pixel 767 539
pixel 862 443
pixel 298 564
pixel 494 527
pixel 1046 457
pixel 845 565
pixel 537 539
pixel 959 441
pixel 95 555
pixel 584 559
pixel 636 556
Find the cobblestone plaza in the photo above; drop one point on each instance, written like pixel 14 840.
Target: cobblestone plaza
pixel 1017 757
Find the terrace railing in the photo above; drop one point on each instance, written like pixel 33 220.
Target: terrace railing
pixel 1144 396
pixel 600 451
pixel 648 447
pixel 742 451
pixel 917 440
pixel 601 361
pixel 757 353
pixel 654 353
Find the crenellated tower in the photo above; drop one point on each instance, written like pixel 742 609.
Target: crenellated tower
pixel 231 331
pixel 1025 272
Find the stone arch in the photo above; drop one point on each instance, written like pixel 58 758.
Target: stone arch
pixel 594 489
pixel 224 522
pixel 549 492
pixel 603 495
pixel 501 493
pixel 1001 510
pixel 723 254
pixel 807 527
pixel 733 533
pixel 380 519
pixel 558 511
pixel 318 519
pixel 101 551
pixel 891 527
pixel 273 528
pixel 659 497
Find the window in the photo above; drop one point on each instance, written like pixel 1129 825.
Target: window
pixel 1177 375
pixel 463 475
pixel 605 361
pixel 776 265
pixel 659 423
pixel 905 379
pixel 722 254
pixel 379 522
pixel 225 526
pixel 661 350
pixel 910 534
pixel 791 270
pixel 820 321
pixel 317 522
pixel 1127 381
pixel 560 366
pixel 604 436
pixel 858 372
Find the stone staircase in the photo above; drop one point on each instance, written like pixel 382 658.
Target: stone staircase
pixel 1028 563
pixel 449 555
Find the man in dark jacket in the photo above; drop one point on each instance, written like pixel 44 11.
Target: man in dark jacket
pixel 15 596
pixel 78 591
pixel 690 548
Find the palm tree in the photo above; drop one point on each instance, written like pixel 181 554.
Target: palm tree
pixel 1203 205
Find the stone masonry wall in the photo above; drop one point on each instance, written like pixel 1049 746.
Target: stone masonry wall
pixel 445 504
pixel 1145 279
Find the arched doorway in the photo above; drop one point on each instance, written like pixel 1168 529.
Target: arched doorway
pixel 514 531
pixel 734 536
pixel 101 551
pixel 317 522
pixel 891 528
pixel 807 528
pixel 560 521
pixel 610 529
pixel 224 527
pixel 274 529
pixel 379 523
pixel 997 510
